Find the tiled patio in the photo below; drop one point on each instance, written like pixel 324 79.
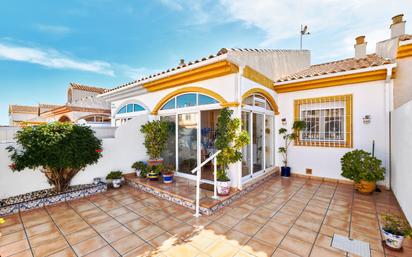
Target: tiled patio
pixel 294 217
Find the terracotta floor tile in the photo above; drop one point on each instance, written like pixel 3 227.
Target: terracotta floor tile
pixel 150 232
pixel 258 248
pixel 81 235
pixel 106 251
pixel 236 238
pixel 138 224
pixel 42 228
pixel 44 238
pixel 66 252
pixel 116 234
pixel 283 253
pixel 106 226
pixel 303 234
pixel 228 221
pixel 218 228
pixel 144 250
pixel 168 224
pixel 89 245
pixel 13 248
pixel 221 249
pixel 330 231
pixel 183 232
pixel 127 244
pixel 127 217
pixel 13 237
pixel 296 246
pixel 163 242
pixel 247 228
pixel 49 248
pixel 118 211
pixel 319 251
pixel 269 236
pixel 69 228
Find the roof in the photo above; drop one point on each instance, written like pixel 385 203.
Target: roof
pixel 200 60
pixel 23 109
pixel 48 106
pixel 405 37
pixel 372 60
pixel 99 90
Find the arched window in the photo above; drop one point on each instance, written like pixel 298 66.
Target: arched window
pixel 188 100
pixel 258 100
pixel 130 108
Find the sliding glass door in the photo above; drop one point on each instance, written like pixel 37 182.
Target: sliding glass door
pixel 187 142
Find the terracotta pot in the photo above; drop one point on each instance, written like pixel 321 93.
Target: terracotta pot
pixel 154 162
pixel 366 187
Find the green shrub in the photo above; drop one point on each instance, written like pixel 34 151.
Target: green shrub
pixel 395 225
pixel 59 150
pixel 155 137
pixel 360 165
pixel 117 174
pixel 139 165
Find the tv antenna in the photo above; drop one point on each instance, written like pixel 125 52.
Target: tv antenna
pixel 303 31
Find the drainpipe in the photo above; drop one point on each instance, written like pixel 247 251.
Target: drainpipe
pixel 388 110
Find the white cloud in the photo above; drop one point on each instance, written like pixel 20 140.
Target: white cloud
pixel 172 4
pixel 53 59
pixel 53 29
pixel 135 73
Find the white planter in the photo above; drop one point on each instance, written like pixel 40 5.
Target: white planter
pixel 116 183
pixel 393 241
pixel 223 188
pixel 137 173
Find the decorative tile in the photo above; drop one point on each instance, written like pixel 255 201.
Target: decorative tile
pixel 31 205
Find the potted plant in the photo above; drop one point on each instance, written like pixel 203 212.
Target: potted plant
pixel 140 168
pixel 394 230
pixel 230 139
pixel 168 173
pixel 363 168
pixel 288 139
pixel 115 177
pixel 154 172
pixel 155 137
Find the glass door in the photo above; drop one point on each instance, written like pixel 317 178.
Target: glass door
pixel 246 151
pixel 187 142
pixel 258 142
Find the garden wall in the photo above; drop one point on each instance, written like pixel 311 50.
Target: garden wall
pixel 401 163
pixel 119 153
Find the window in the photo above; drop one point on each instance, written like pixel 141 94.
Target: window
pixel 130 108
pixel 328 121
pixel 188 100
pixel 258 101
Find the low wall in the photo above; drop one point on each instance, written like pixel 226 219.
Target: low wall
pixel 119 153
pixel 401 163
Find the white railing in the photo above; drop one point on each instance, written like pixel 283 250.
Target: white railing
pixel 7 134
pixel 199 176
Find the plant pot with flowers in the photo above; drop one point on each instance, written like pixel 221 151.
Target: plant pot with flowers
pixel 140 168
pixel 363 168
pixel 153 172
pixel 230 139
pixel 288 139
pixel 394 230
pixel 115 178
pixel 168 173
pixel 156 134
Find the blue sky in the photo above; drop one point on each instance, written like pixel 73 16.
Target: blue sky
pixel 46 44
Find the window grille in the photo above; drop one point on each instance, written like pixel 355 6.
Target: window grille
pixel 328 121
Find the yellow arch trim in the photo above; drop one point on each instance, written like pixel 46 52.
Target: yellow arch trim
pixel 201 90
pixel 268 96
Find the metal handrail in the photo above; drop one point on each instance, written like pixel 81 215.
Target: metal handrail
pixel 198 177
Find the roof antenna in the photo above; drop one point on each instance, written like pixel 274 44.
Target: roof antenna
pixel 182 62
pixel 303 31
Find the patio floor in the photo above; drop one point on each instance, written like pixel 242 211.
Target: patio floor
pixel 294 217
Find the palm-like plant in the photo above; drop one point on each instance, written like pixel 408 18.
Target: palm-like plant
pixel 289 138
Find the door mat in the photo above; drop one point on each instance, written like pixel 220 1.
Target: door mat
pixel 351 245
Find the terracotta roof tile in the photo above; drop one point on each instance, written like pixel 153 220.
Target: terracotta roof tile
pixel 99 90
pixel 405 37
pixel 372 60
pixel 23 109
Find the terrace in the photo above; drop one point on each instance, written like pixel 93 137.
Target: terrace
pixel 281 217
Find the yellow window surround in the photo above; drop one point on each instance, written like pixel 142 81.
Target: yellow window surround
pixel 348 99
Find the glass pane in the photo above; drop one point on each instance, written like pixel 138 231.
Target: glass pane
pixel 186 100
pixel 122 110
pixel 269 155
pixel 137 108
pixel 268 106
pixel 169 154
pixel 249 100
pixel 169 105
pixel 257 142
pixel 334 130
pixel 204 99
pixel 130 108
pixel 207 142
pixel 246 150
pixel 187 142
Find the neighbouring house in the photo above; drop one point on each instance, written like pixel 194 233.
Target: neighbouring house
pixel 82 106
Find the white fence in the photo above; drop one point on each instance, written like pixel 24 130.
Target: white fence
pixel 401 163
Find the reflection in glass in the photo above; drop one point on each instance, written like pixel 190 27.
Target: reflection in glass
pixel 207 142
pixel 246 149
pixel 268 141
pixel 170 104
pixel 169 154
pixel 186 100
pixel 187 142
pixel 204 99
pixel 257 142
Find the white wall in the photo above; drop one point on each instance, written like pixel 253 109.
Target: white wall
pixel 401 141
pixel 368 99
pixel 119 153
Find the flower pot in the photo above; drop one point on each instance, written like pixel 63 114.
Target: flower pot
pixel 167 178
pixel 153 176
pixel 365 187
pixel 154 162
pixel 285 171
pixel 97 180
pixel 223 188
pixel 137 173
pixel 116 183
pixel 392 241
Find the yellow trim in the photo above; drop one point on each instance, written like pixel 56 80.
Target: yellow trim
pixel 404 51
pixel 198 74
pixel 265 94
pixel 348 120
pixel 257 77
pixel 332 81
pixel 230 104
pixel 201 90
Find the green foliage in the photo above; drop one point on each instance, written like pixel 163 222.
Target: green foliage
pixel 155 170
pixel 139 165
pixel 117 174
pixel 221 175
pixel 230 140
pixel 59 150
pixel 396 225
pixel 156 135
pixel 359 165
pixel 289 138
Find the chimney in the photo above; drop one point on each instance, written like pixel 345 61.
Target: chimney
pixel 397 26
pixel 360 47
pixel 182 62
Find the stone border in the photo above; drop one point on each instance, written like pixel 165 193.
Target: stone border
pixel 25 205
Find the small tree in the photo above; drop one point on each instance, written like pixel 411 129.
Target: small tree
pixel 289 138
pixel 59 150
pixel 230 140
pixel 155 137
